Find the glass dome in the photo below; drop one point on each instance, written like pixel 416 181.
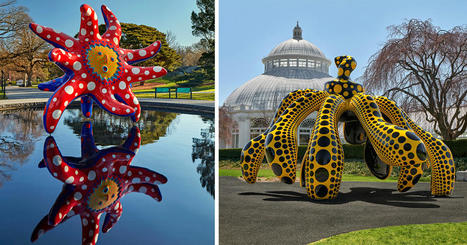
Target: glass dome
pixel 291 65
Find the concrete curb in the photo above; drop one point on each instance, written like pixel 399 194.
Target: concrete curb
pixel 186 108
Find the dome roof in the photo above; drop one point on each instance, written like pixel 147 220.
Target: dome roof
pixel 265 92
pixel 294 47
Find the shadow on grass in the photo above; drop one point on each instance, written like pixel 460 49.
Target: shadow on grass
pixel 415 199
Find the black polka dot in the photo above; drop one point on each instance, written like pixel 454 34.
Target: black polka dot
pixel 321 174
pixel 401 139
pixel 323 141
pixel 277 169
pixel 323 157
pixel 411 135
pixel 321 190
pixel 407 147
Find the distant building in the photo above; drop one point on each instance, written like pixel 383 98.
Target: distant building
pixel 293 64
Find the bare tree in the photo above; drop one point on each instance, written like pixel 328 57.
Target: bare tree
pixel 190 55
pixel 171 39
pixel 424 68
pixel 33 52
pixel 12 19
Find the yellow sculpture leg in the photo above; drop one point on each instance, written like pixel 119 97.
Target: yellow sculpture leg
pixel 409 175
pixel 323 169
pixel 281 141
pixel 395 145
pixel 253 153
pixel 443 169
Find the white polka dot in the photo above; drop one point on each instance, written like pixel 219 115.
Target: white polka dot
pixel 113 109
pixel 130 56
pixel 71 213
pixel 57 160
pixel 70 180
pixel 60 215
pixel 83 31
pixel 127 96
pixel 91 86
pixel 131 188
pixel 129 173
pixel 69 89
pixel 112 96
pixel 78 196
pixel 39 29
pixel 104 170
pixel 147 179
pixel 85 222
pixel 66 169
pixel 127 110
pixel 54 99
pixel 84 75
pixel 95 16
pixel 122 169
pixel 69 43
pixel 104 90
pixel 76 171
pixel 157 68
pixel 66 103
pixel 142 189
pixel 81 179
pixel 113 28
pixel 142 52
pixel 84 187
pixel 122 85
pixel 115 40
pixel 81 85
pixel 91 175
pixel 135 180
pixel 88 12
pixel 77 66
pixel 56 114
pixel 58 39
pixel 52 127
pixel 135 70
pixel 135 101
pixel 89 23
pixel 146 72
pixel 128 79
pixel 103 101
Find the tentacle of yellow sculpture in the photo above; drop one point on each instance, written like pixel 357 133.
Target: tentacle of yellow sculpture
pixel 324 167
pixel 443 168
pixel 281 141
pixel 253 152
pixel 408 175
pixel 393 144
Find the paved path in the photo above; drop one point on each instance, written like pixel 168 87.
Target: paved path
pixel 33 97
pixel 276 213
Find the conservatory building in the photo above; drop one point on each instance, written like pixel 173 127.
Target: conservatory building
pixel 293 64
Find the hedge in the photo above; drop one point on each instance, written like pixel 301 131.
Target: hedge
pixel 458 149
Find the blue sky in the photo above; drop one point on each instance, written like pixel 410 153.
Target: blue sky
pixel 249 30
pixel 164 15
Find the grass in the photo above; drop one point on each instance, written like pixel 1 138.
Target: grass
pixel 442 233
pixel 200 96
pixel 267 173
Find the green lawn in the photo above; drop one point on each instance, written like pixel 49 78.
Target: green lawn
pixel 443 233
pixel 200 96
pixel 346 177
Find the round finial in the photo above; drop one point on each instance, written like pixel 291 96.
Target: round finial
pixel 297 32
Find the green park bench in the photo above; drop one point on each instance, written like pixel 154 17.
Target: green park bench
pixel 161 90
pixel 183 90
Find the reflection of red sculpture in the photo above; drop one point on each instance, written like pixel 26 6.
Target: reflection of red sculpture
pixel 95 67
pixel 95 183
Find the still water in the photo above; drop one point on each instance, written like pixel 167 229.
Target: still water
pixel 162 146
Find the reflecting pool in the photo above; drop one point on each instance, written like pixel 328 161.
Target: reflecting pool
pixel 151 182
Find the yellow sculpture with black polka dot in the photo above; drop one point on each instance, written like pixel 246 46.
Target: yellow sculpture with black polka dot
pixel 281 141
pixel 252 154
pixel 341 85
pixel 443 171
pixel 392 139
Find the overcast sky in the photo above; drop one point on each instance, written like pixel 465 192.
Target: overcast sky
pixel 249 30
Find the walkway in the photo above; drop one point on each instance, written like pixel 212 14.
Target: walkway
pixel 276 213
pixel 19 97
